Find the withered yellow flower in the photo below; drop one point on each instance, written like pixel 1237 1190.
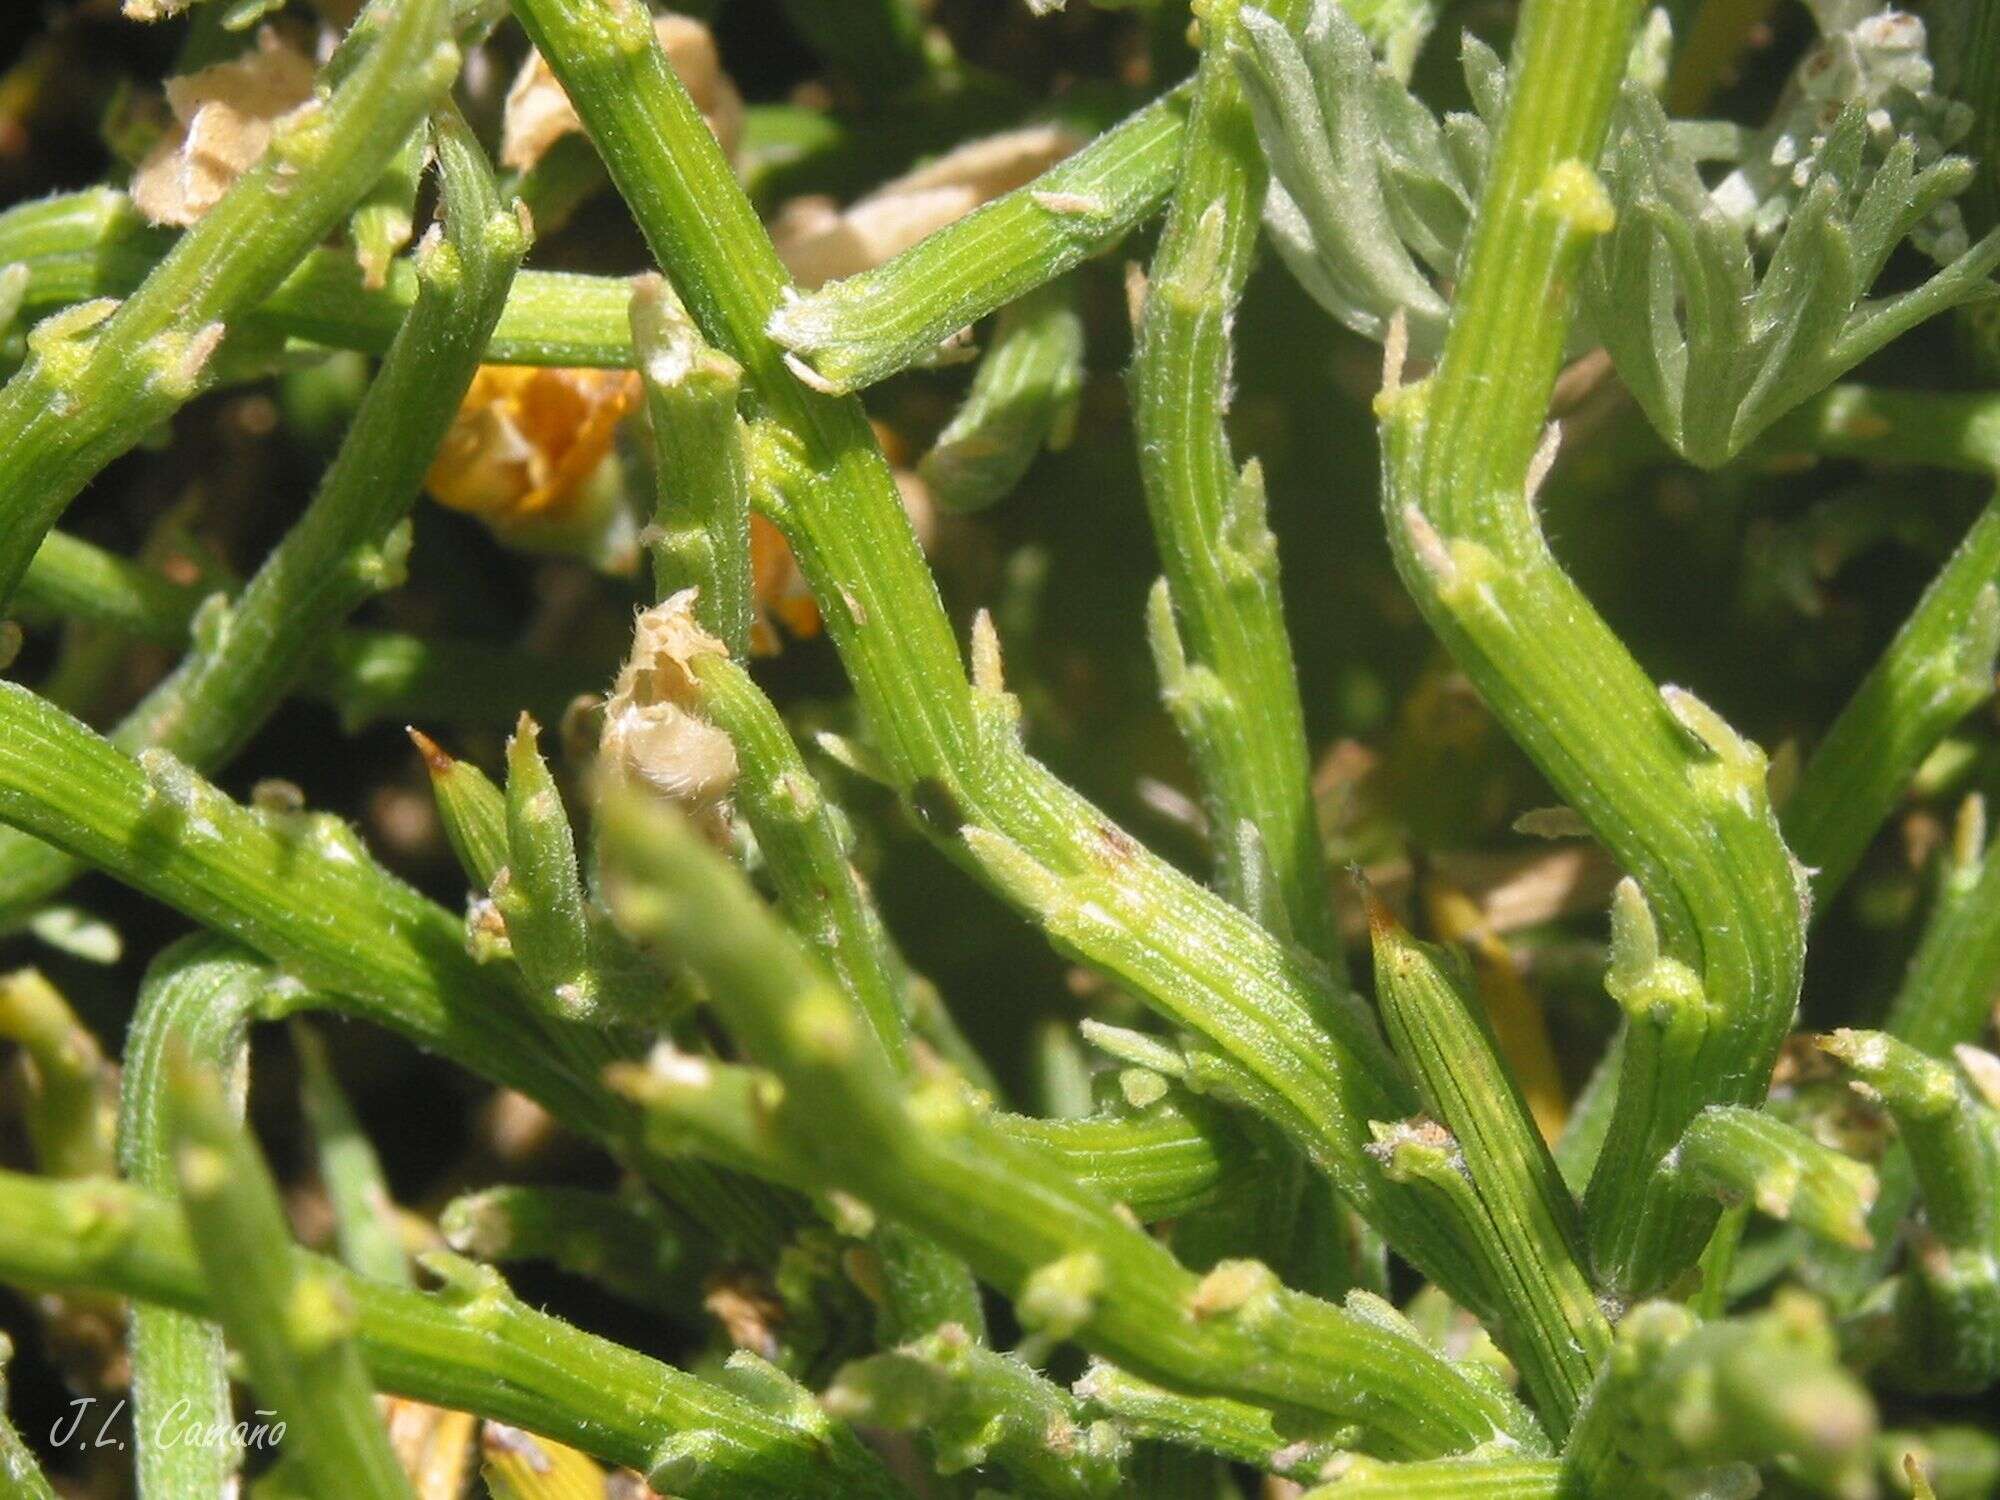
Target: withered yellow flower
pixel 778 590
pixel 223 118
pixel 433 1446
pixel 525 440
pixel 517 1465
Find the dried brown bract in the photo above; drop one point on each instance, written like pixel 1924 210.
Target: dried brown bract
pixel 538 112
pixel 652 738
pixel 821 242
pixel 224 116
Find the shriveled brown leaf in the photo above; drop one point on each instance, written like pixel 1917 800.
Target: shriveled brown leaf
pixel 224 116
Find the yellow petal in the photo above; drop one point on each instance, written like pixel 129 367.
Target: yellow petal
pixel 526 438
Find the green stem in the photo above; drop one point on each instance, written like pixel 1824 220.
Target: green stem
pixel 383 222
pixel 365 675
pixel 1935 672
pixel 1160 1161
pixel 1942 1003
pixel 1543 1305
pixel 1449 1479
pixel 1973 74
pixel 294 1327
pixel 301 890
pixel 1023 399
pixel 197 1002
pixel 702 518
pixel 347 545
pixel 74 579
pixel 79 246
pixel 1711 1299
pixel 471 1346
pixel 69 1085
pixel 1946 996
pixel 1938 429
pixel 1208 1424
pixel 1679 1396
pixel 799 832
pixel 977 1406
pixel 1073 1266
pixel 804 851
pixel 619 1240
pixel 1313 1060
pixel 99 377
pixel 1674 794
pixel 1939 1125
pixel 705 515
pixel 364 1215
pixel 1940 665
pixel 1232 686
pixel 855 332
pixel 1745 1154
pixel 352 541
pixel 540 892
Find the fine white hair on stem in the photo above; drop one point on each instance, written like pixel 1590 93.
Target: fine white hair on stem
pixel 1544 460
pixel 1395 349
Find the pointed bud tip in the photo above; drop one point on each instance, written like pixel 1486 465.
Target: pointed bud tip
pixel 1919 1478
pixel 437 760
pixel 1382 922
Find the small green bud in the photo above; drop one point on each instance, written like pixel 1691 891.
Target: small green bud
pixel 1059 1298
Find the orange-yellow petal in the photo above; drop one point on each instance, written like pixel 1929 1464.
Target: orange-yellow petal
pixel 777 590
pixel 527 437
pixel 777 587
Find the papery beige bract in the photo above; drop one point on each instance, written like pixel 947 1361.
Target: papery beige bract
pixel 538 112
pixel 650 737
pixel 820 242
pixel 224 115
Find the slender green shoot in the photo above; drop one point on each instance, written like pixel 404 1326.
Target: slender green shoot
pixel 196 1004
pixel 1073 1266
pixel 471 1345
pixel 104 373
pixel 294 1329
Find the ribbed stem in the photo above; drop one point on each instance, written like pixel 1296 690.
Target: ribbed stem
pixel 1074 1267
pixel 470 1346
pixel 1232 686
pixel 197 1001
pixel 101 376
pixel 1318 1065
pixel 1661 779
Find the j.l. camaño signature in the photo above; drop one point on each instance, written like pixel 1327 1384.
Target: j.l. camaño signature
pixel 176 1427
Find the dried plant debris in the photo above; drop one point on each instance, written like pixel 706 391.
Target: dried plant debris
pixel 223 118
pixel 538 113
pixel 821 242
